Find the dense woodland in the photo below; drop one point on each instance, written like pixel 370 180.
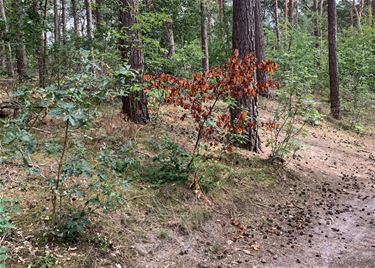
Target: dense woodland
pixel 129 127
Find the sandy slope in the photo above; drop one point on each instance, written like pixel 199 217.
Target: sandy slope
pixel 321 213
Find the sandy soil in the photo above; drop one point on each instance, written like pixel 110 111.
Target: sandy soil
pixel 321 213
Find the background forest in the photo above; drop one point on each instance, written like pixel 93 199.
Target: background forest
pixel 145 114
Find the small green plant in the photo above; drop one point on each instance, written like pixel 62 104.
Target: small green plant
pixel 285 126
pixel 6 206
pixel 44 262
pixel 163 234
pixel 359 128
pixel 171 163
pixel 156 98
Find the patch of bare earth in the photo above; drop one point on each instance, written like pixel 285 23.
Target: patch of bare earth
pixel 319 213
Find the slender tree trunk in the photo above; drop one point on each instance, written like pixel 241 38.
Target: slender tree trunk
pixel 277 27
pixel 75 17
pixel 20 47
pixel 3 50
pixel 220 7
pixel 98 14
pixel 149 4
pixel 170 39
pixel 7 47
pixel 40 25
pixel 260 43
pixel 2 55
pixel 134 105
pixel 88 8
pixel 370 12
pixel 373 10
pixel 351 12
pixel 56 21
pixel 354 8
pixel 286 17
pixel 204 36
pixel 63 20
pixel 296 13
pixel 333 66
pixel 244 42
pixel 221 10
pixel 315 21
pixel 290 14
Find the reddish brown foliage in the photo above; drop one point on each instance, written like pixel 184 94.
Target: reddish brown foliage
pixel 200 95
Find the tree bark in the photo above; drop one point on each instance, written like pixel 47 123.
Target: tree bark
pixel 88 8
pixel 333 66
pixel 286 17
pixel 56 21
pixel 2 55
pixel 358 12
pixel 373 10
pixel 63 20
pixel 75 17
pixel 277 27
pixel 7 47
pixel 259 40
pixel 204 36
pixel 314 9
pixel 98 14
pixel 290 14
pixel 40 48
pixel 222 28
pixel 170 39
pixel 20 47
pixel 134 105
pixel 244 41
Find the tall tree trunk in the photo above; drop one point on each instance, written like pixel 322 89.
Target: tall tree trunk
pixel 88 8
pixel 315 21
pixel 75 17
pixel 373 10
pixel 40 49
pixel 170 39
pixel 150 4
pixel 204 36
pixel 56 21
pixel 98 14
pixel 277 27
pixel 63 20
pixel 20 50
pixel 222 28
pixel 7 47
pixel 286 17
pixel 290 14
pixel 220 7
pixel 259 43
pixel 2 55
pixel 351 14
pixel 358 12
pixel 134 105
pixel 244 42
pixel 333 66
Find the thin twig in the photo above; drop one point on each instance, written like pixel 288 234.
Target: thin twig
pixel 59 171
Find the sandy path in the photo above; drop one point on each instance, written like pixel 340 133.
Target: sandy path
pixel 322 216
pixel 343 233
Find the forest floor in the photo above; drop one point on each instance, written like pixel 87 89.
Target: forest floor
pixel 316 211
pixel 319 213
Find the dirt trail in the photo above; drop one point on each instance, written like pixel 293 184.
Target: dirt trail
pixel 321 214
pixel 343 233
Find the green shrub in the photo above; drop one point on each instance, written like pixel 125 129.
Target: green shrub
pixel 170 164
